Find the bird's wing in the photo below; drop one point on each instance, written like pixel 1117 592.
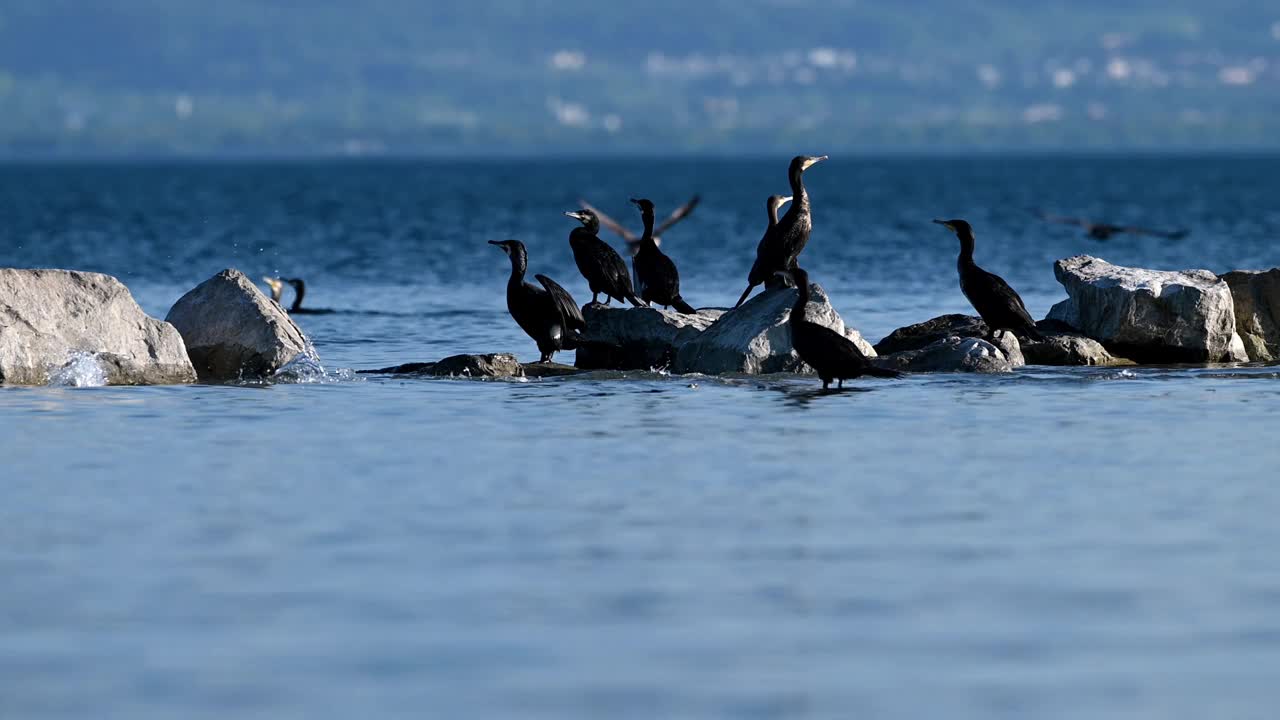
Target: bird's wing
pixel 565 303
pixel 610 223
pixel 1169 234
pixel 1015 304
pixel 681 213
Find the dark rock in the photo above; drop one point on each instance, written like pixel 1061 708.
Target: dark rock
pixel 950 354
pixel 1069 349
pixel 915 337
pixel 636 338
pixel 495 365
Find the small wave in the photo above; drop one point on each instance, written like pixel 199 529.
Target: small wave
pixel 81 370
pixel 306 368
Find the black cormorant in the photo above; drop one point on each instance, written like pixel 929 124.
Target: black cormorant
pixel 997 303
pixel 1104 231
pixel 659 279
pixel 832 355
pixel 632 239
pixel 782 244
pixel 549 313
pixel 600 264
pixel 299 292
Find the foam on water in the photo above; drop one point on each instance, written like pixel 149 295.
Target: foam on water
pixel 82 370
pixel 306 368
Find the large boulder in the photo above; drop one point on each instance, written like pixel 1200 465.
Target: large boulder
pixel 755 337
pixel 914 337
pixel 1257 306
pixel 233 331
pixel 1069 349
pixel 51 320
pixel 636 338
pixel 1152 316
pixel 950 354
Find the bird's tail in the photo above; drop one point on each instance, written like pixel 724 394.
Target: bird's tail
pixel 874 371
pixel 1033 333
pixel 682 307
pixel 745 293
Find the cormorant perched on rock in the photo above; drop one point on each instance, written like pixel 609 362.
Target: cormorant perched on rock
pixel 782 244
pixel 771 206
pixel 600 264
pixel 549 313
pixel 832 355
pixel 997 303
pixel 659 279
pixel 1104 231
pixel 299 292
pixel 632 239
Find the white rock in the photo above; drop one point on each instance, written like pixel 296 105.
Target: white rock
pixel 755 337
pixel 1010 348
pixel 233 331
pixel 1151 316
pixel 83 328
pixel 1257 307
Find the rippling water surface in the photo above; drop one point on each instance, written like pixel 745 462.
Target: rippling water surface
pixel 1055 543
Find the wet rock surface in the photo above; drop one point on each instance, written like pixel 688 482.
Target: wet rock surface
pixel 1256 295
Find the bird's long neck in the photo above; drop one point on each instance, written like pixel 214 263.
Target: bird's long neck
pixel 299 292
pixel 646 240
pixel 966 248
pixel 802 299
pixel 773 214
pixel 519 264
pixel 799 198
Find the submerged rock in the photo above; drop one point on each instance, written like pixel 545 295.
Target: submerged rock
pixel 914 337
pixel 83 326
pixel 493 365
pixel 1069 349
pixel 1151 316
pixel 951 354
pixel 1256 295
pixel 755 337
pixel 637 338
pixel 233 331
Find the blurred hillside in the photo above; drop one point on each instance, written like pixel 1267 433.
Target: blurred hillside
pixel 522 76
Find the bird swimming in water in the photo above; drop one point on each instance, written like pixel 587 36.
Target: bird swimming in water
pixel 548 314
pixel 659 279
pixel 832 355
pixel 299 292
pixel 783 242
pixel 999 305
pixel 600 264
pixel 1104 231
pixel 632 239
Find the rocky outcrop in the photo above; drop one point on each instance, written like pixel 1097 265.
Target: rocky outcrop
pixel 915 337
pixel 1010 347
pixel 53 321
pixel 1256 295
pixel 233 331
pixel 637 338
pixel 1151 316
pixel 1069 349
pixel 755 338
pixel 493 365
pixel 950 354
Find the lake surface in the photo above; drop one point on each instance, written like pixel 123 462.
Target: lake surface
pixel 1056 543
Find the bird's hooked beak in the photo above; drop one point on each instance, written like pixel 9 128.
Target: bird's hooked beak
pixel 635 202
pixel 811 161
pixel 946 225
pixel 576 215
pixel 785 200
pixel 502 244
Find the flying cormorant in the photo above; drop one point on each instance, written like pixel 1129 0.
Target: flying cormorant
pixel 997 303
pixel 299 292
pixel 832 355
pixel 659 279
pixel 548 314
pixel 1104 231
pixel 782 244
pixel 600 264
pixel 632 239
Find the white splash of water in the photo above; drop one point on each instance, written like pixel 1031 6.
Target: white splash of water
pixel 306 368
pixel 81 370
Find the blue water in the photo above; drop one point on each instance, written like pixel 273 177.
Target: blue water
pixel 1058 543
